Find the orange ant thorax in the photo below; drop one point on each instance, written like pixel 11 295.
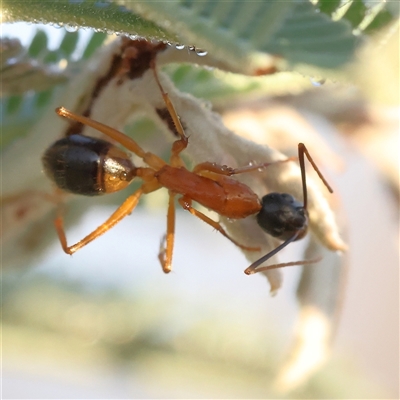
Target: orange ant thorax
pixel 226 196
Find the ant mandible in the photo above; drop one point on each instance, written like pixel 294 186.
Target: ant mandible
pixel 89 166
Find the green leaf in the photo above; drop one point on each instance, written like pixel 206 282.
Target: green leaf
pixel 364 15
pixel 356 13
pixel 38 45
pixel 101 15
pixel 13 104
pixel 383 18
pixel 94 43
pixel 328 6
pixel 237 32
pixel 68 44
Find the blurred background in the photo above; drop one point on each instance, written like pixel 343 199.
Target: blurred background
pixel 107 323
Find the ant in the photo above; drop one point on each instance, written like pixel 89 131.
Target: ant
pixel 89 166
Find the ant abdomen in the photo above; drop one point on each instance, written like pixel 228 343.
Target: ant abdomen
pixel 88 166
pixel 282 216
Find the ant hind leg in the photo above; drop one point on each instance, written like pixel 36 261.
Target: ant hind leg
pixel 149 158
pixel 122 211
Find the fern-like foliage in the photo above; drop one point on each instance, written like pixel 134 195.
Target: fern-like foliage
pixel 30 76
pixel 298 32
pixel 368 17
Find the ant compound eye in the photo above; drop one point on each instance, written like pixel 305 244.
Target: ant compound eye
pixel 282 215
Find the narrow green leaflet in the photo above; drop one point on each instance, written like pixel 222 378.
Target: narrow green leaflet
pixel 239 33
pixel 365 16
pixel 356 13
pixel 100 15
pixel 328 6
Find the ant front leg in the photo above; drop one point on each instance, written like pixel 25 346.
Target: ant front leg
pixel 205 167
pixel 186 204
pixel 180 144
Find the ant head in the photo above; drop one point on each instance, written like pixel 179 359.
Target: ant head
pixel 282 216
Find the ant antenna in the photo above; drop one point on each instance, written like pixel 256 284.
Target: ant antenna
pixel 249 271
pixel 303 150
pixel 252 268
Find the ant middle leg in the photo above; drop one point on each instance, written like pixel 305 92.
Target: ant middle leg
pixel 186 204
pixel 167 243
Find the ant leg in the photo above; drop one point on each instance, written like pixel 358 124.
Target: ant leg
pixel 258 167
pixel 180 144
pixel 170 107
pixel 149 158
pixel 228 171
pixel 186 204
pixel 125 209
pixel 205 167
pixel 167 244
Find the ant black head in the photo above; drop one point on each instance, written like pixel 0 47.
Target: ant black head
pixel 282 216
